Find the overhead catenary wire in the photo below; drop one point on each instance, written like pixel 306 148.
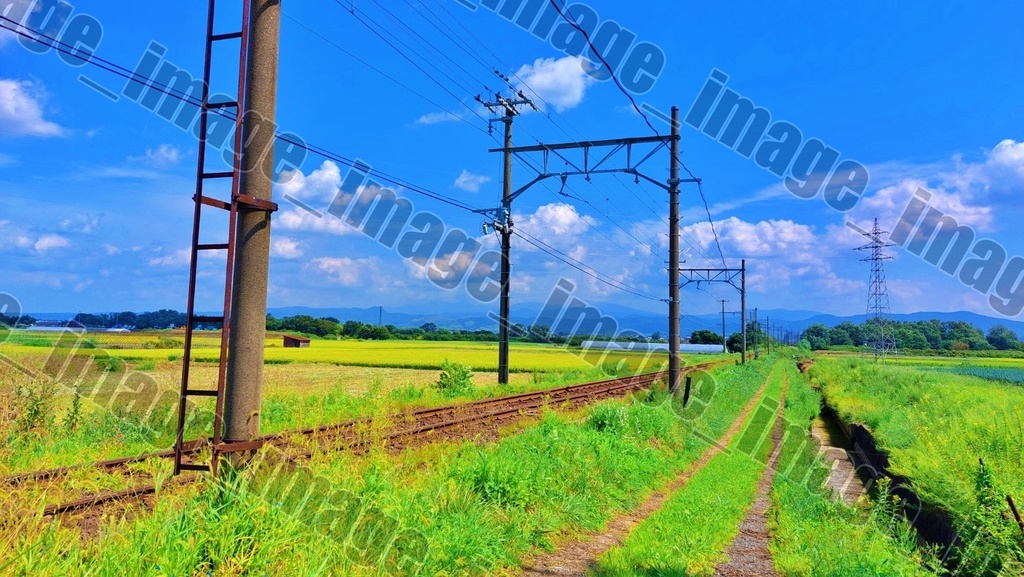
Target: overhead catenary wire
pixel 585 269
pixel 463 45
pixel 131 76
pixel 480 60
pixel 559 5
pixel 379 71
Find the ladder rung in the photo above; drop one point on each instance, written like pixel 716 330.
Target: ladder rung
pixel 205 319
pixel 200 393
pixel 225 36
pixel 192 467
pixel 223 174
pixel 219 246
pixel 249 201
pixel 216 105
pixel 239 447
pixel 210 201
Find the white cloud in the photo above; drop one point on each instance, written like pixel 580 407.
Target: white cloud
pixel 438 118
pixel 16 7
pixel 81 223
pixel 177 258
pixel 348 271
pixel 21 111
pixel 558 224
pixel 165 155
pixel 471 182
pixel 50 241
pixel 320 185
pixel 110 249
pixel 560 83
pixel 286 247
pixel 302 220
pixel 1001 171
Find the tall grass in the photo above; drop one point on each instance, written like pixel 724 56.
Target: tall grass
pixel 813 534
pixel 936 427
pixel 480 508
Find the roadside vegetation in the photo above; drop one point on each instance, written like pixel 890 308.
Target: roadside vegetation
pixel 936 427
pixel 813 534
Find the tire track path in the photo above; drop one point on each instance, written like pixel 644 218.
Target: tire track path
pixel 748 555
pixel 577 556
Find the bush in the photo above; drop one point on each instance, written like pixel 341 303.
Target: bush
pixel 456 379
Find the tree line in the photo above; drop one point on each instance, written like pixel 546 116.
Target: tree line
pixel 914 335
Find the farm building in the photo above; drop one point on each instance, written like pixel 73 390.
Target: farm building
pixel 295 342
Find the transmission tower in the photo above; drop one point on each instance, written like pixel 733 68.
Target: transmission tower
pixel 883 336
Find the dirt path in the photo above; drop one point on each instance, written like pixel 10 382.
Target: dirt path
pixel 575 557
pixel 748 555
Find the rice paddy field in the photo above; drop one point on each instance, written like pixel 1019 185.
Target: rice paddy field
pixel 167 345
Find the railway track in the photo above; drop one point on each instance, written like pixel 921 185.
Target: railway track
pixel 403 430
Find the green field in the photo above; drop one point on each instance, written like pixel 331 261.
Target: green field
pixel 523 357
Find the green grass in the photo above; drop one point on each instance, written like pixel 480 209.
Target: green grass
pixel 814 535
pixel 703 517
pixel 935 427
pixel 480 508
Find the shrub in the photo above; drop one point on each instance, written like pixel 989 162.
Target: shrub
pixel 456 379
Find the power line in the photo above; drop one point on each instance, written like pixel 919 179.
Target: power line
pixel 611 72
pixel 129 75
pixel 379 71
pixel 576 264
pixel 409 59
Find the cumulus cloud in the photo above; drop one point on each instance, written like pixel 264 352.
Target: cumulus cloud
pixel 48 242
pixel 21 110
pixel 346 271
pixel 558 224
pixel 163 156
pixel 177 258
pixel 302 220
pixel 286 247
pixel 779 253
pixel 471 182
pixel 1001 171
pixel 320 185
pixel 560 83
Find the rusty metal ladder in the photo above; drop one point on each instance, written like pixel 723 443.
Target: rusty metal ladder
pixel 238 200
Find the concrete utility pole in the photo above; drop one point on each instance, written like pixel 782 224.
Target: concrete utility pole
pixel 757 334
pixel 503 224
pixel 743 307
pixel 673 256
pixel 724 347
pixel 244 390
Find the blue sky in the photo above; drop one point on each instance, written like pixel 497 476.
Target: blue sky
pixel 96 194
